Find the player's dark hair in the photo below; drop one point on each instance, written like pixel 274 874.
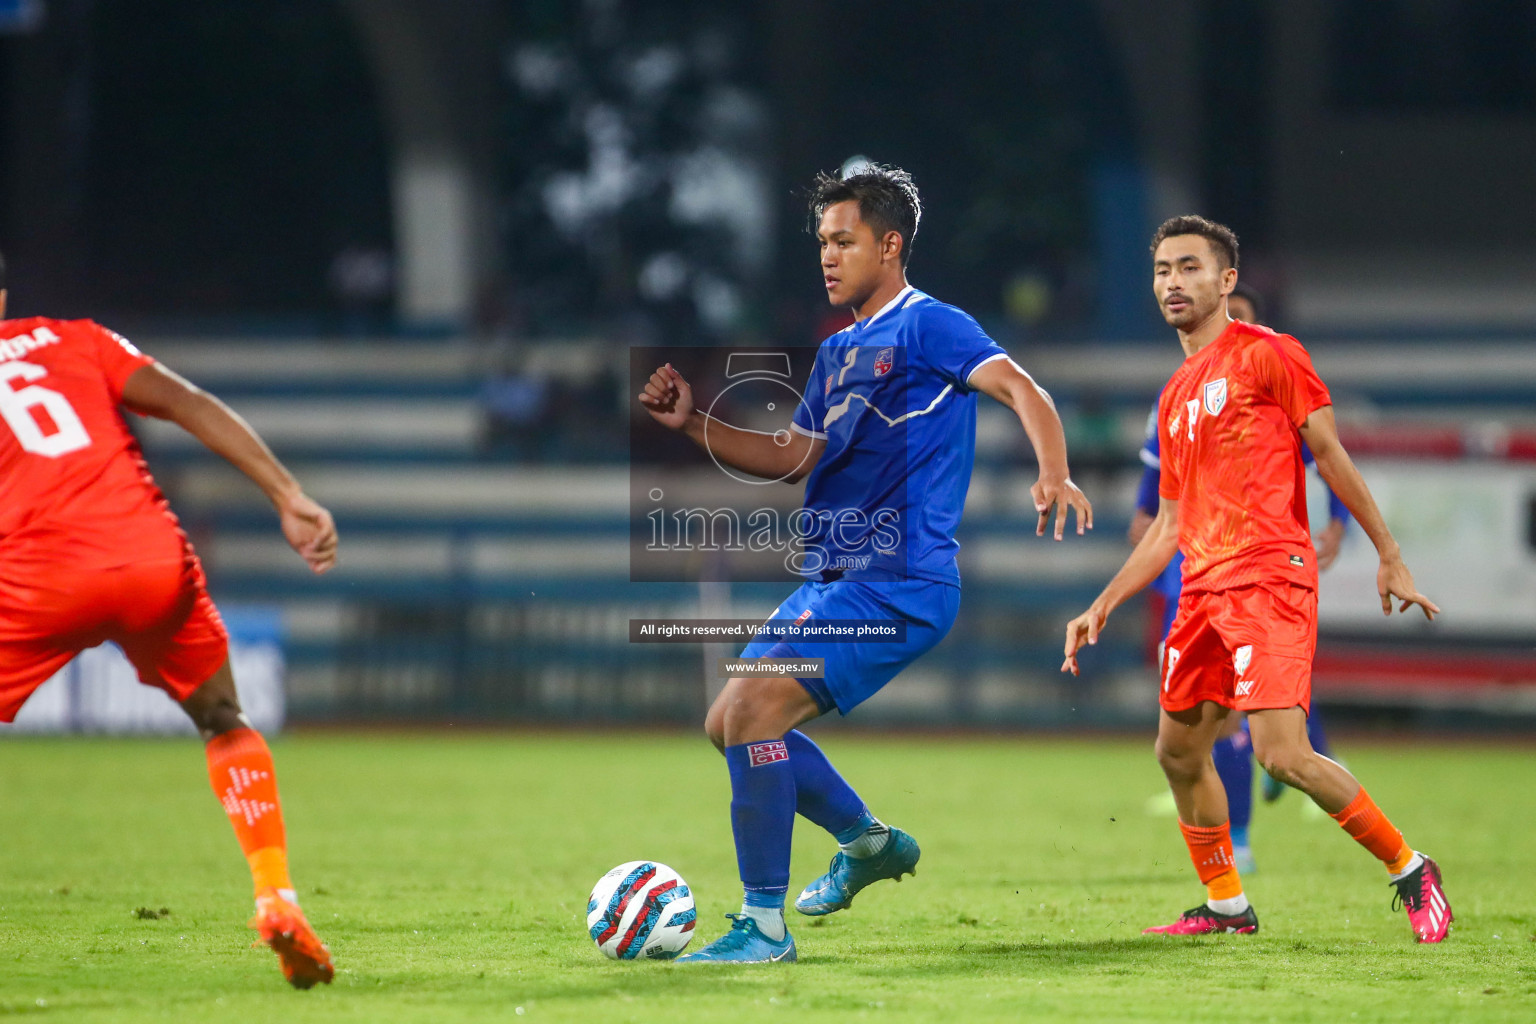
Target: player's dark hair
pixel 1223 241
pixel 887 199
pixel 1249 292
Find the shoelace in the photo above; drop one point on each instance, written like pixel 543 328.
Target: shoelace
pixel 736 937
pixel 1413 897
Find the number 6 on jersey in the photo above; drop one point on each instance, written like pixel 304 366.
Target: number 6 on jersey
pixel 20 407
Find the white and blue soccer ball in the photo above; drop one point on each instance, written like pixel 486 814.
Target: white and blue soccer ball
pixel 641 910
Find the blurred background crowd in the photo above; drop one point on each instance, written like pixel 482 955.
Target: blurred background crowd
pixel 415 241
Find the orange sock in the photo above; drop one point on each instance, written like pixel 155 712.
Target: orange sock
pixel 1211 850
pixel 240 768
pixel 1363 820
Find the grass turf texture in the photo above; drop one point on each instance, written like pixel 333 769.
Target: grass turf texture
pixel 449 876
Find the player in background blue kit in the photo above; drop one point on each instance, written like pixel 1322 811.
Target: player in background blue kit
pixel 1233 753
pixel 885 439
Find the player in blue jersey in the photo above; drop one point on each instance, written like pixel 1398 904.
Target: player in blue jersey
pixel 1233 752
pixel 885 439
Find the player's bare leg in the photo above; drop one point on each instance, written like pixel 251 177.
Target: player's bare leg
pixel 1184 740
pixel 240 769
pixel 1281 745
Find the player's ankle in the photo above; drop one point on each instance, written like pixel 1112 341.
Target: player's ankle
pixel 769 920
pixel 1229 907
pixel 1413 864
pixel 868 842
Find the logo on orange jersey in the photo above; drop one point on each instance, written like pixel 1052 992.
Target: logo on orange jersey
pixel 1216 396
pixel 1194 411
pixel 1242 657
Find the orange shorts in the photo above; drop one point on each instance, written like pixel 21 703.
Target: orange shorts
pixel 1248 648
pixel 158 612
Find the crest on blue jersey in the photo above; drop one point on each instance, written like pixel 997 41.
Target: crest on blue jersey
pixel 1216 396
pixel 884 360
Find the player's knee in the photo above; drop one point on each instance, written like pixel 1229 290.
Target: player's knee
pixel 215 708
pixel 714 728
pixel 1283 764
pixel 1179 764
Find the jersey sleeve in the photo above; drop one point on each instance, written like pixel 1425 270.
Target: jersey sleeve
pixel 118 356
pixel 1285 372
pixel 954 344
pixel 811 413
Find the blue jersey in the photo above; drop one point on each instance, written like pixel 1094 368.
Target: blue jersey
pixel 890 397
pixel 1171 582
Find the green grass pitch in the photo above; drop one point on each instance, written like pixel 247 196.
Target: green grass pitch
pixel 449 875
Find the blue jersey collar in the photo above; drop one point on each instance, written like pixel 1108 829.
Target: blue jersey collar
pixel 896 303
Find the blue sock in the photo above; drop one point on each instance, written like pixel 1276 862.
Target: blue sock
pixel 821 795
pixel 762 818
pixel 1316 735
pixel 1234 763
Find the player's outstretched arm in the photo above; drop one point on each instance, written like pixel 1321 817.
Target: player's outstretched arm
pixel 783 455
pixel 1151 556
pixel 156 391
pixel 1004 380
pixel 1339 472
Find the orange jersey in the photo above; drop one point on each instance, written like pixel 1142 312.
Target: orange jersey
pixel 74 489
pixel 1231 457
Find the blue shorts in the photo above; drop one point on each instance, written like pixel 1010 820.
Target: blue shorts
pixel 856 670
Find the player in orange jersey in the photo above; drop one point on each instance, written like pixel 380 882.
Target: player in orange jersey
pixel 90 551
pixel 1232 498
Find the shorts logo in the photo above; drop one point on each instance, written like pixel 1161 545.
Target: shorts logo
pixel 1242 658
pixel 802 617
pixel 1170 659
pixel 1297 560
pixel 759 754
pixel 884 360
pixel 1216 396
pixel 1244 687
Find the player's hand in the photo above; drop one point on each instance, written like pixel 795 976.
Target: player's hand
pixel 310 531
pixel 1327 543
pixel 1394 580
pixel 668 398
pixel 1083 630
pixel 1060 494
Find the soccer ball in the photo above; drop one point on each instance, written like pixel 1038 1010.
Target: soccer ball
pixel 641 910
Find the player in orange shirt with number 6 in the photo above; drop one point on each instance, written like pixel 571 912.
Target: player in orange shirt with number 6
pixel 1232 498
pixel 90 551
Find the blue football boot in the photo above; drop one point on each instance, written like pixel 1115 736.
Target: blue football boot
pixel 846 875
pixel 743 944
